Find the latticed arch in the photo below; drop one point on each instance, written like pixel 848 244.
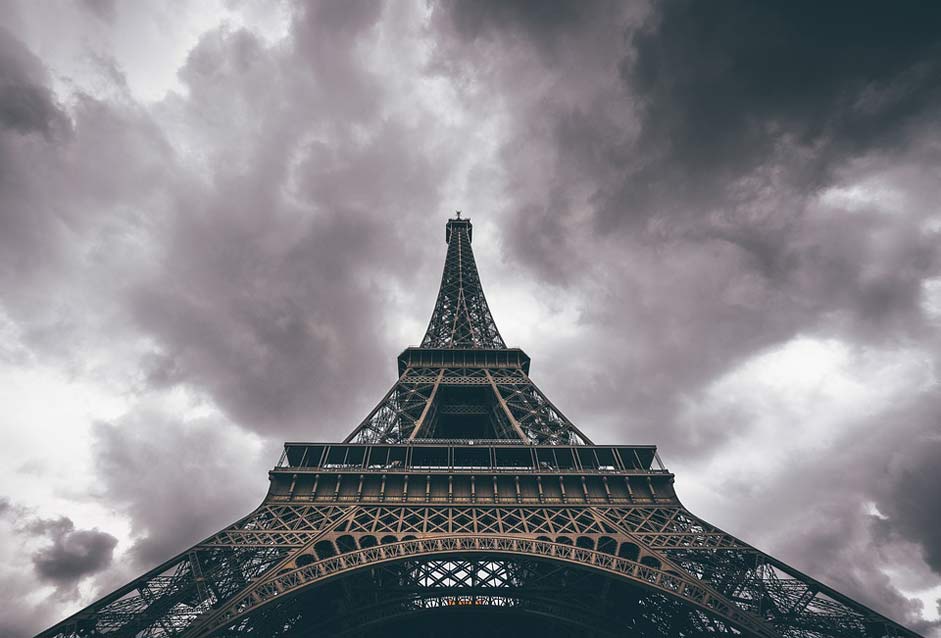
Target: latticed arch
pixel 449 550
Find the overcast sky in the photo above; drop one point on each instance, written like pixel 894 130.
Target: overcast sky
pixel 714 226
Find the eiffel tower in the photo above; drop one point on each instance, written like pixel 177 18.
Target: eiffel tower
pixel 467 504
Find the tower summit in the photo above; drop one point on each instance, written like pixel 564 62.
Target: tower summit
pixel 463 383
pixel 461 318
pixel 466 504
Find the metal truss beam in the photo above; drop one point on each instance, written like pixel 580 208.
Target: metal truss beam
pixel 285 548
pixel 461 318
pixel 670 583
pixel 408 409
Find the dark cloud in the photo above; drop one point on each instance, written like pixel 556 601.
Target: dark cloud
pixel 67 204
pixel 102 9
pixel 339 19
pixel 724 88
pixel 267 300
pixel 910 498
pixel 274 236
pixel 73 553
pixel 26 103
pixel 39 552
pixel 177 481
pixel 540 21
pixel 837 539
pixel 741 73
pixel 840 510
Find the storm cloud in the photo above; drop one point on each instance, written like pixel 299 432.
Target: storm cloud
pixel 175 480
pixel 714 227
pixel 73 553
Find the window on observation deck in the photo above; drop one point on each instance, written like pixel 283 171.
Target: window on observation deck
pixel 430 457
pixel 565 460
pixel 341 457
pixel 606 460
pixel 514 458
pixel 473 457
pixel 586 458
pixel 378 458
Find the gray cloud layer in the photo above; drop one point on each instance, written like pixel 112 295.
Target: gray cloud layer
pixel 73 553
pixel 679 177
pixel 58 553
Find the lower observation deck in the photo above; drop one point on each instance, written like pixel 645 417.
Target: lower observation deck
pixel 492 472
pixel 448 455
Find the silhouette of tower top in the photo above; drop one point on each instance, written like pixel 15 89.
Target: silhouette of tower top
pixel 461 318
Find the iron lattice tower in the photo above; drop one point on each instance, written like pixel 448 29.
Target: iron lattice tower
pixel 467 494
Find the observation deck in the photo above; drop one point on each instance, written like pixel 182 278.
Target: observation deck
pixel 496 471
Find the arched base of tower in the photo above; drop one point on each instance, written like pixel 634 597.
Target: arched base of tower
pixel 479 596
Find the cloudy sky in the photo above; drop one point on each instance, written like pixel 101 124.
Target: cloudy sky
pixel 714 226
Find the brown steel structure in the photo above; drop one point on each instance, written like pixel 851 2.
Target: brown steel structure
pixel 467 504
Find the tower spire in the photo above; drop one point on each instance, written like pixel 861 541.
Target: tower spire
pixel 463 383
pixel 461 318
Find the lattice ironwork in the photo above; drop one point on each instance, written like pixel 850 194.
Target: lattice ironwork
pixel 513 405
pixel 534 597
pixel 427 516
pixel 461 318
